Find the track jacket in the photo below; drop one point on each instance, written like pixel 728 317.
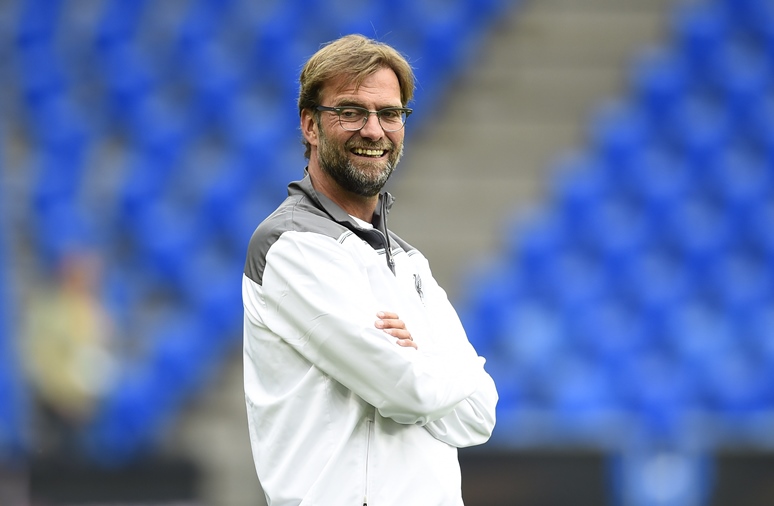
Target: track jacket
pixel 338 413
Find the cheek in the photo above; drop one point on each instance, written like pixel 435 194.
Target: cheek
pixel 396 138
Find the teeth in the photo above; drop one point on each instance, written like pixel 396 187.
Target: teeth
pixel 368 152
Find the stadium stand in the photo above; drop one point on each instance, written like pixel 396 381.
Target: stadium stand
pixel 634 296
pixel 162 134
pixel 633 308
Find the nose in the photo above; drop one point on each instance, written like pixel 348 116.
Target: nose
pixel 372 129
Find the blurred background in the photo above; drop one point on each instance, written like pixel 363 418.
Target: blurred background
pixel 592 181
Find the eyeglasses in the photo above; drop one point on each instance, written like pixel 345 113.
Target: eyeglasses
pixel 354 118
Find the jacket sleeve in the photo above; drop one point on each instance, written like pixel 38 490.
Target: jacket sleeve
pixel 318 298
pixel 472 421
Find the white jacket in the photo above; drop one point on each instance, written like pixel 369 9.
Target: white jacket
pixel 338 413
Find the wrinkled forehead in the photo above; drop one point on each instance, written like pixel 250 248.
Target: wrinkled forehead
pixel 380 87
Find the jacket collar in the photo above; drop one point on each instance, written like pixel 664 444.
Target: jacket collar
pixel 305 187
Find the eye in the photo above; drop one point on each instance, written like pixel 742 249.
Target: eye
pixel 351 114
pixel 391 114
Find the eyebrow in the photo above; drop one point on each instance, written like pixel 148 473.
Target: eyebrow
pixel 354 103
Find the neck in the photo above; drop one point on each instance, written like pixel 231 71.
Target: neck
pixel 353 204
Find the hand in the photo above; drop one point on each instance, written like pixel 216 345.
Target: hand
pixel 390 323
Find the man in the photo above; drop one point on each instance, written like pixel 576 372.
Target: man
pixel 360 382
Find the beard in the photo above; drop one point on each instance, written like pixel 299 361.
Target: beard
pixel 363 176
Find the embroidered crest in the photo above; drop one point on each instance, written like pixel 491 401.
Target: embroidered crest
pixel 418 287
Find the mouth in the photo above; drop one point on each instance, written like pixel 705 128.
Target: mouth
pixel 369 153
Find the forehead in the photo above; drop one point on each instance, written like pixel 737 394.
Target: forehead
pixel 378 89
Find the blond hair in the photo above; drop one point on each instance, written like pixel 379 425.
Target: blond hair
pixel 355 57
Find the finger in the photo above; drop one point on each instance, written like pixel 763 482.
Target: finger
pixel 407 343
pixel 394 324
pixel 399 333
pixel 390 323
pixel 387 315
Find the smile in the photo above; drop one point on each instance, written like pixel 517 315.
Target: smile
pixel 376 153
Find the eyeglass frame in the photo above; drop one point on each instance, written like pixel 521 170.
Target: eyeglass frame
pixel 338 110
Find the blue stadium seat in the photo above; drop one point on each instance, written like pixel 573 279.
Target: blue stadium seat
pixel 40 74
pixel 258 140
pixel 698 331
pixel 741 76
pixel 575 280
pixel 659 80
pixel 754 18
pixel 655 282
pixel 129 80
pixel 373 19
pixel 221 194
pixel 37 22
pixel 530 336
pixel 535 244
pixel 576 182
pixel 742 282
pixel 742 181
pixel 209 287
pixel 618 131
pixel 119 23
pixel 656 181
pixel 202 24
pixel 758 329
pixel 146 180
pixel 166 235
pixel 216 84
pixel 699 231
pixel 60 226
pixel 700 29
pixel 660 391
pixel 61 127
pixel 611 330
pixel 159 129
pixel 493 290
pixel 581 397
pixel 758 129
pixel 182 352
pixel 737 384
pixel 616 231
pixel 124 288
pixel 757 229
pixel 57 181
pixel 699 129
pixel 280 48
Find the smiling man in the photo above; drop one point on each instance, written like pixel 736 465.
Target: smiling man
pixel 360 382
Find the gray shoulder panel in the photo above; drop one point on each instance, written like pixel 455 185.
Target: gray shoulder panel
pixel 296 213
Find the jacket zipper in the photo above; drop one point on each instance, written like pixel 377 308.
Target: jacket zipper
pixel 388 245
pixel 369 424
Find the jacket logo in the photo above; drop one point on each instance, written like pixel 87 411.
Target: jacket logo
pixel 418 287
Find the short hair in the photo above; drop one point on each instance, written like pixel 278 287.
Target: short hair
pixel 355 57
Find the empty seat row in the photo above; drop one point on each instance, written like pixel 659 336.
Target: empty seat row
pixel 638 293
pixel 162 135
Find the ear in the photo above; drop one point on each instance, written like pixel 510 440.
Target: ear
pixel 309 126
